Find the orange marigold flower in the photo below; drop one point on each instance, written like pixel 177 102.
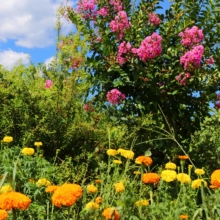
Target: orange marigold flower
pixel 3 214
pixel 14 200
pixel 98 200
pixel 183 157
pixel 98 181
pixel 215 178
pixel 150 178
pixel 184 217
pixel 51 188
pixel 66 195
pixel 213 187
pixel 109 213
pixel 119 187
pixel 91 188
pixel 144 160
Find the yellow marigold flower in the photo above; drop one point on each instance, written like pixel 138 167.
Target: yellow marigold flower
pixel 126 153
pixel 43 182
pixel 215 178
pixel 199 171
pixel 38 144
pixel 117 161
pixel 190 166
pixel 98 181
pixel 14 200
pixel 7 139
pixel 119 187
pixel 28 151
pixel 112 152
pixel 144 160
pixel 142 202
pixel 183 178
pixel 183 157
pixel 150 178
pixel 197 183
pixel 184 217
pixel 66 195
pixel 98 200
pixel 91 188
pixel 137 172
pixel 51 188
pixel 168 175
pixel 170 166
pixel 92 205
pixel 110 213
pixel 3 214
pixel 6 188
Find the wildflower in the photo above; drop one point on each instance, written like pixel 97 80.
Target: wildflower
pixel 38 144
pixel 43 182
pixel 144 160
pixel 92 189
pixel 51 188
pixel 28 151
pixel 137 172
pixel 119 187
pixel 170 166
pixel 112 152
pixel 98 181
pixel 126 153
pixel 117 161
pixel 168 175
pixel 199 171
pixel 150 178
pixel 92 205
pixel 98 200
pixel 183 157
pixel 215 178
pixel 110 213
pixel 3 214
pixel 14 200
pixel 7 139
pixel 197 183
pixel 6 188
pixel 184 217
pixel 142 202
pixel 66 195
pixel 183 178
pixel 48 84
pixel 115 96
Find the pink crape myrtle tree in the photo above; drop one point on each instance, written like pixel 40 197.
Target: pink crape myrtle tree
pixel 146 59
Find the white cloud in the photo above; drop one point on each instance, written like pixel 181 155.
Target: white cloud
pixel 49 61
pixel 30 23
pixel 8 58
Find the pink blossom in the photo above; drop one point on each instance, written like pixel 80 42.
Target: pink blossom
pixel 48 84
pixel 103 12
pixel 210 61
pixel 117 5
pixel 191 36
pixel 178 78
pixel 123 49
pixel 115 96
pixel 154 19
pixel 87 8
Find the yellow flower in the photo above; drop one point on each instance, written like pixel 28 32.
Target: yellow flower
pixel 112 152
pixel 91 188
pixel 142 202
pixel 92 205
pixel 98 200
pixel 14 200
pixel 3 214
pixel 43 182
pixel 190 166
pixel 144 160
pixel 6 188
pixel 150 178
pixel 126 153
pixel 117 161
pixel 28 151
pixel 38 144
pixel 7 139
pixel 183 178
pixel 119 187
pixel 168 175
pixel 197 183
pixel 170 166
pixel 199 171
pixel 184 217
pixel 137 172
pixel 215 178
pixel 66 195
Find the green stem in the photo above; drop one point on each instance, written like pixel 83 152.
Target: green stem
pixel 14 214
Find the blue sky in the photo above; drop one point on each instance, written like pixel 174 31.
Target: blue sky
pixel 27 30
